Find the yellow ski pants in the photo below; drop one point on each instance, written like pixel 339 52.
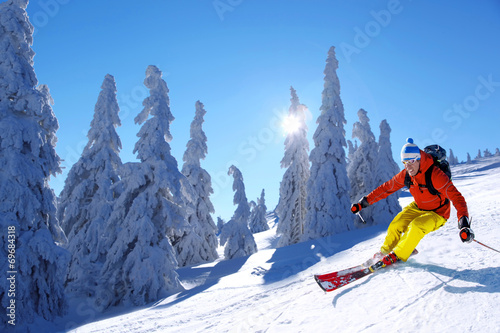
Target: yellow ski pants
pixel 408 228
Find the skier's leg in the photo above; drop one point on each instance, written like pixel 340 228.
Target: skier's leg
pixel 398 226
pixel 418 228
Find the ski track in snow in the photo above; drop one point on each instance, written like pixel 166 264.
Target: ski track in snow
pixel 448 287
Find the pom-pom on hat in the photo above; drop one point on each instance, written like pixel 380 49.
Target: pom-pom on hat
pixel 410 151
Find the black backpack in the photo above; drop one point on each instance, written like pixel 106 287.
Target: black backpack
pixel 438 154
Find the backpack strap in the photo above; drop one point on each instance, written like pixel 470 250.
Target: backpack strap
pixel 428 181
pixel 430 187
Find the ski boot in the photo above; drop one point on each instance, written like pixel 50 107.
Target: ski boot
pixel 389 259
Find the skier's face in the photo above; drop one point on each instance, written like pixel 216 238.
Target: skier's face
pixel 412 167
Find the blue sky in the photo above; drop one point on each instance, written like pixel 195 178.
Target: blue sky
pixel 431 68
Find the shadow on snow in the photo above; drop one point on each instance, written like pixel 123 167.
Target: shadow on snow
pixel 210 275
pixel 487 280
pixel 291 260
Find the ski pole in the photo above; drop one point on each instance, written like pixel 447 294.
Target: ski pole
pixel 361 217
pixel 485 245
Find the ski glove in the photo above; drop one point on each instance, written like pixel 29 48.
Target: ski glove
pixel 466 235
pixel 463 222
pixel 363 203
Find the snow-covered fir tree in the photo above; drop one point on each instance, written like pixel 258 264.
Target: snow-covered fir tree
pixel 253 205
pixel 86 202
pixel 385 168
pixel 363 167
pixel 141 261
pixel 487 153
pixel 258 221
pixel 478 155
pixel 220 225
pixel 291 209
pixel 200 181
pixel 27 160
pixel 235 236
pixel 497 152
pixel 469 159
pixel 328 188
pixel 451 158
pixel 351 150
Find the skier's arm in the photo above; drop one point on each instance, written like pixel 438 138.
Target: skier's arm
pixel 457 199
pixel 444 185
pixel 387 188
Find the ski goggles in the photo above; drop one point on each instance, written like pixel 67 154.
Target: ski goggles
pixel 412 161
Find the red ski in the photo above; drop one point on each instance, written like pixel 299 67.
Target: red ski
pixel 335 280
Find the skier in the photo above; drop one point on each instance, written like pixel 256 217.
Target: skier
pixel 425 214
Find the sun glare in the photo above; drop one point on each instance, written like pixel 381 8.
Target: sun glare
pixel 291 124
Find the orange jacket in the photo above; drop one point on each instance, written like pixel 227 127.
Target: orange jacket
pixel 423 199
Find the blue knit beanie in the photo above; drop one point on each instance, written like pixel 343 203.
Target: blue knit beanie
pixel 410 151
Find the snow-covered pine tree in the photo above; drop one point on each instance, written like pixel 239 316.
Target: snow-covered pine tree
pixel 451 158
pixel 27 160
pixel 220 225
pixel 291 209
pixel 235 235
pixel 487 153
pixel 469 160
pixel 497 152
pixel 141 262
pixel 351 150
pixel 328 188
pixel 252 204
pixel 363 167
pixel 258 221
pixel 478 155
pixel 385 168
pixel 86 202
pixel 201 183
pixel 50 123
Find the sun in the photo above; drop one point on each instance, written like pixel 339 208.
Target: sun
pixel 290 124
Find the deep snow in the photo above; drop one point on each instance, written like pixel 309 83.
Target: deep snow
pixel 448 287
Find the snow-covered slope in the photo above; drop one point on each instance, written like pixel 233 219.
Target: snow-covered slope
pixel 448 287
